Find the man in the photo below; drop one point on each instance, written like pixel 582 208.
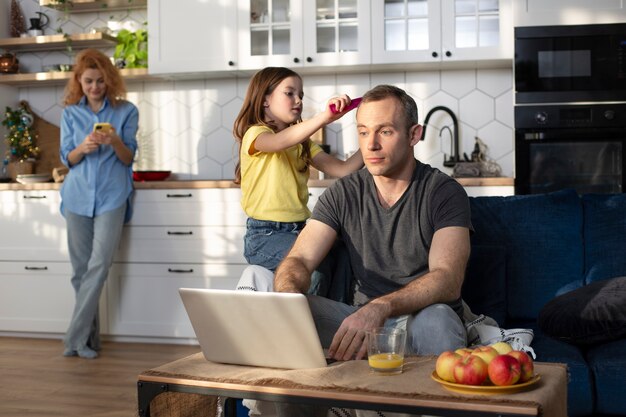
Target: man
pixel 406 227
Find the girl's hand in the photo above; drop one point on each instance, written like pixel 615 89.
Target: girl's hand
pixel 338 106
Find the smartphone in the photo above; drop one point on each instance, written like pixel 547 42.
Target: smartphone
pixel 102 127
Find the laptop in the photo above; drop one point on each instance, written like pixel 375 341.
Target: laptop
pixel 267 329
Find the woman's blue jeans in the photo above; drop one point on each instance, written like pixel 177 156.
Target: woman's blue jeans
pixel 92 242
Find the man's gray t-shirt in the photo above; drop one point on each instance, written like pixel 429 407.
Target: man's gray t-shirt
pixel 389 247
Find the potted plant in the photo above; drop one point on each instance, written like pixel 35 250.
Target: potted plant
pixel 20 138
pixel 132 49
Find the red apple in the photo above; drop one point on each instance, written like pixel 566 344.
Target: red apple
pixel 470 370
pixel 445 365
pixel 504 370
pixel 526 363
pixel 464 351
pixel 486 353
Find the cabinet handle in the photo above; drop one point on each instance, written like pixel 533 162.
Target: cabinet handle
pixel 296 60
pixel 231 63
pixel 34 197
pixel 36 268
pixel 180 271
pixel 435 54
pixel 180 233
pixel 179 195
pixel 309 59
pixel 448 54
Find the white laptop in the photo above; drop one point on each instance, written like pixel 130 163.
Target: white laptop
pixel 266 329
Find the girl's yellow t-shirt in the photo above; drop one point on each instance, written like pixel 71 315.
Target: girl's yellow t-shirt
pixel 272 186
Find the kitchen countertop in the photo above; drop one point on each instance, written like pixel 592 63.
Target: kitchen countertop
pixel 165 185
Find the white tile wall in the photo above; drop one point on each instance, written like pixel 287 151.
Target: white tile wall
pixel 185 126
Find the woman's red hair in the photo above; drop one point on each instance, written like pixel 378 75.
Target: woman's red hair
pixel 94 59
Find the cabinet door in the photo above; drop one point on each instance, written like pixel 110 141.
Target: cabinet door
pixel 568 12
pixel 406 31
pixel 338 35
pixel 144 299
pixel 476 30
pixel 191 36
pixel 32 226
pixel 35 296
pixel 270 33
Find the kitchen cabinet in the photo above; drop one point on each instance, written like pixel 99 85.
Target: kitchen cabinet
pixel 189 36
pixel 35 290
pixel 434 31
pixel 176 238
pixel 567 12
pixel 309 33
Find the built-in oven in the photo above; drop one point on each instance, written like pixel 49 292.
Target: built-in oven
pixel 558 64
pixel 580 146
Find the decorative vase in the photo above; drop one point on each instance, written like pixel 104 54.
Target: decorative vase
pixel 21 168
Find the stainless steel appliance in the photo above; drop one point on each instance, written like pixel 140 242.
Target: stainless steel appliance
pixel 556 64
pixel 579 146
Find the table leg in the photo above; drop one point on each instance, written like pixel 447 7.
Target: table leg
pixel 146 391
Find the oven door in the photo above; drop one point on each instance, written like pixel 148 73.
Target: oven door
pixel 570 63
pixel 589 160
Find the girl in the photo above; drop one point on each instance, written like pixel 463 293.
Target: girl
pixel 98 145
pixel 275 153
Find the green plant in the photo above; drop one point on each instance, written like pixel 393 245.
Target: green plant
pixel 132 48
pixel 20 138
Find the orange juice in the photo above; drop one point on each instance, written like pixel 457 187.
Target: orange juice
pixel 386 362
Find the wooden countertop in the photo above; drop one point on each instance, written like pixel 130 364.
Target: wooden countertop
pixel 167 185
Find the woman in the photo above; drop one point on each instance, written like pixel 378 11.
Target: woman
pixel 95 196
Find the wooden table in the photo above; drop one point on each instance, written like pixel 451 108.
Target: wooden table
pixel 352 385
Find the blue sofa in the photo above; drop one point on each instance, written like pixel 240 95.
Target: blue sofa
pixel 526 251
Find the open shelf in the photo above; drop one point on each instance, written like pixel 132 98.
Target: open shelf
pixel 58 42
pixel 39 79
pixel 85 6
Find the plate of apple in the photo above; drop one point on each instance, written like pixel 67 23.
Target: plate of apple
pixel 490 369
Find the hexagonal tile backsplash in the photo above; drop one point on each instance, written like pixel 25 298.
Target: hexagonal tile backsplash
pixel 186 125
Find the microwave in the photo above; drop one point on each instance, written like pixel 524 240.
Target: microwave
pixel 575 63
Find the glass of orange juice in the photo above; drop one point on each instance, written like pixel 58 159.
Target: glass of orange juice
pixel 385 350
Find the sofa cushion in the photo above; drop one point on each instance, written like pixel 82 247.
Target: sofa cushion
pixel 608 365
pixel 605 236
pixel 595 313
pixel 542 234
pixel 484 288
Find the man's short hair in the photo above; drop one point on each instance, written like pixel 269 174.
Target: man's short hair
pixel 383 91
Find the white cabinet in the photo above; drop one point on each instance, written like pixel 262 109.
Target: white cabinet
pixel 568 12
pixel 419 31
pixel 176 238
pixel 308 33
pixel 144 299
pixel 187 36
pixel 35 290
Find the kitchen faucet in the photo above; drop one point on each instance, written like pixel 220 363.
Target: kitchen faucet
pixel 454 148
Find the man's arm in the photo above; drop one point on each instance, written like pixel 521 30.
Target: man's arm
pixel 311 246
pixel 447 259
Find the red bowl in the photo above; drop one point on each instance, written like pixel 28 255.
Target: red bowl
pixel 150 175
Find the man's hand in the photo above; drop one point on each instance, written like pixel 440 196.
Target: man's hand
pixel 350 341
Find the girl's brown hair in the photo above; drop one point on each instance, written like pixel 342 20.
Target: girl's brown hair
pixel 94 59
pixel 252 111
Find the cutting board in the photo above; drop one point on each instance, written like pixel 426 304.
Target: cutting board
pixel 48 141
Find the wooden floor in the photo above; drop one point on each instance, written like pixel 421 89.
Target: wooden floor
pixel 36 380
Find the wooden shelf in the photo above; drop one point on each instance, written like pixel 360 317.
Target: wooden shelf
pixel 58 42
pixel 40 79
pixel 85 6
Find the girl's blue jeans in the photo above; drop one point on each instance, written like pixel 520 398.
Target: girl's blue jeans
pixel 266 243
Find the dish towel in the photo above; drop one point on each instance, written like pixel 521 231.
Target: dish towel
pixel 483 330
